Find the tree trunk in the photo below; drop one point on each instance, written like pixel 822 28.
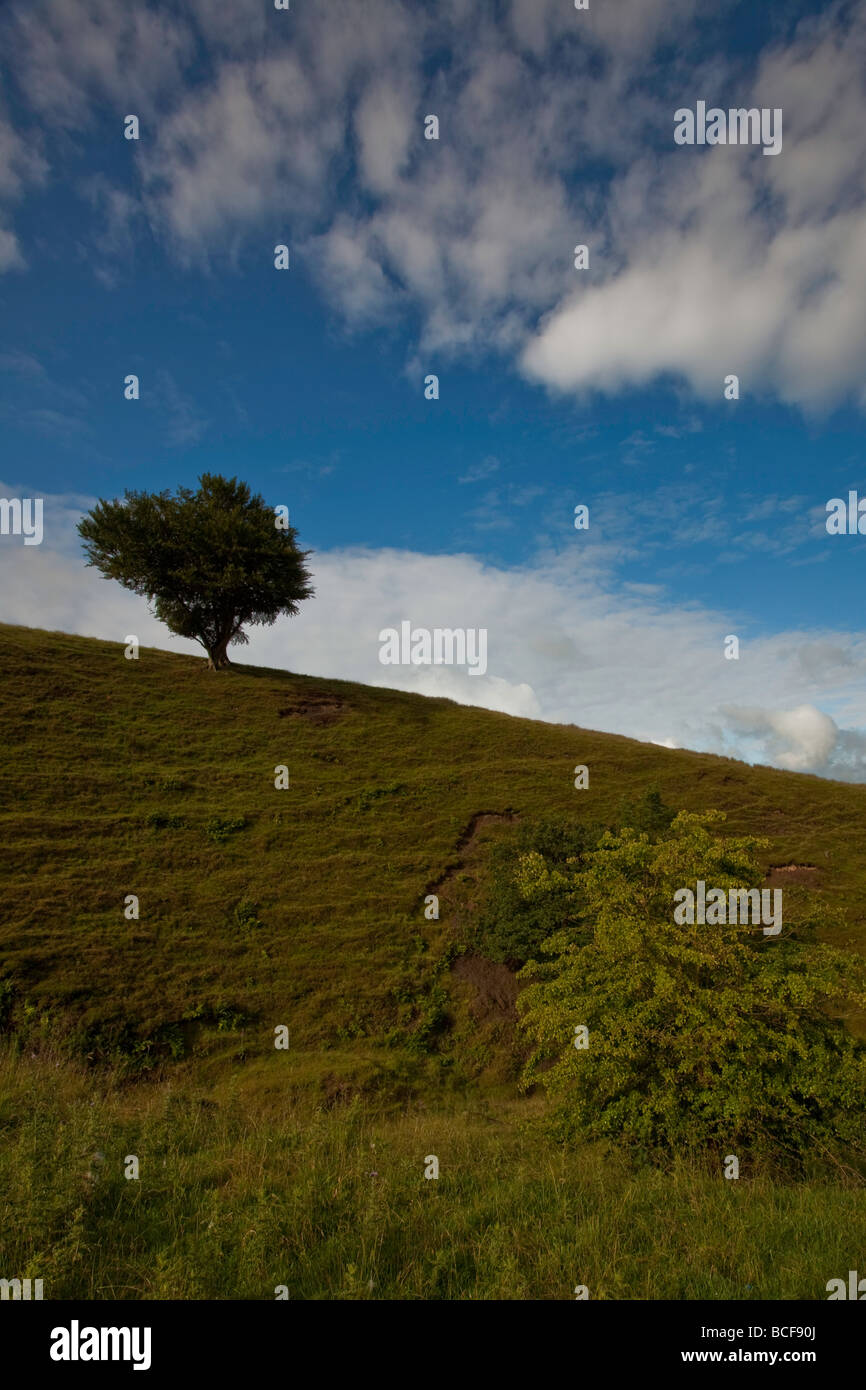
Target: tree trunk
pixel 218 656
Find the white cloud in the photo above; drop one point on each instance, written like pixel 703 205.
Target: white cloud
pixel 803 740
pixel 733 262
pixel 628 28
pixel 21 363
pixel 10 251
pixel 383 123
pixel 241 151
pixel 71 54
pixel 704 261
pixel 476 472
pixel 346 263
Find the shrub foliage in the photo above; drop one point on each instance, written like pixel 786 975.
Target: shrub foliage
pixel 699 1036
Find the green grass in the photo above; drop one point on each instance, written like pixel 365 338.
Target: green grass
pixel 334 1204
pixel 305 907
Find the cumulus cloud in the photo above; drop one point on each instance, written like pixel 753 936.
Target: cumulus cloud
pixel 803 740
pixel 705 261
pixel 624 34
pixel 70 55
pixel 383 124
pixel 254 143
pixel 565 644
pixel 738 263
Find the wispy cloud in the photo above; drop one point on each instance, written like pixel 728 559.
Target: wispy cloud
pixel 42 403
pixel 691 426
pixel 21 364
pixel 182 421
pixel 477 472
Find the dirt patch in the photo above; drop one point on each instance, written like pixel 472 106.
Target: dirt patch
pixel 318 709
pixel 466 842
pixel 336 1091
pixel 467 837
pixel 495 986
pixel 781 874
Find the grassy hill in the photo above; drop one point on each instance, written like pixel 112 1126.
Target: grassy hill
pixel 302 906
pixel 305 907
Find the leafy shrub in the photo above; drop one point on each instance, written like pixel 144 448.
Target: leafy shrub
pixel 159 820
pixel 219 829
pixel 533 891
pixel 370 795
pixel 516 918
pixel 229 1019
pixel 699 1036
pixel 433 1019
pixel 245 915
pixel 648 814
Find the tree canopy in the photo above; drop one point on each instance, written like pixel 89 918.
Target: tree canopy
pixel 210 562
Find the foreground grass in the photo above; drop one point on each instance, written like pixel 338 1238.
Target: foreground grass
pixel 334 1205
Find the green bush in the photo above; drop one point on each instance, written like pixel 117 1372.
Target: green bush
pixel 648 814
pixel 160 820
pixel 513 924
pixel 172 784
pixel 218 829
pixel 368 796
pixel 523 907
pixel 229 1019
pixel 699 1036
pixel 245 915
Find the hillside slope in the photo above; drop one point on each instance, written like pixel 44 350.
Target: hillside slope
pixel 304 906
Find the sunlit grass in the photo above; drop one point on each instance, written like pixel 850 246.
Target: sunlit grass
pixel 334 1204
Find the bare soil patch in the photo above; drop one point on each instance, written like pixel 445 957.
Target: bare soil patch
pixel 782 874
pixel 496 987
pixel 466 842
pixel 318 709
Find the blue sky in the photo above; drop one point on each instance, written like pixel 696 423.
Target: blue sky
pixel 557 386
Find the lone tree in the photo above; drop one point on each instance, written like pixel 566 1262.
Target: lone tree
pixel 210 562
